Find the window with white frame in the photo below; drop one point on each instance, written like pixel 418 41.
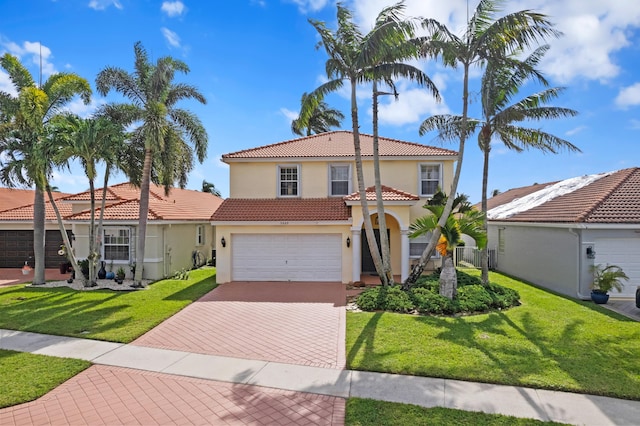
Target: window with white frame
pixel 116 243
pixel 418 244
pixel 501 240
pixel 430 179
pixel 289 181
pixel 339 179
pixel 200 235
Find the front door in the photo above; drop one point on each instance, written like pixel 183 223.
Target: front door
pixel 367 261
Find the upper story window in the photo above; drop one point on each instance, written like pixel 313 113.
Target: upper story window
pixel 117 243
pixel 430 176
pixel 339 179
pixel 289 181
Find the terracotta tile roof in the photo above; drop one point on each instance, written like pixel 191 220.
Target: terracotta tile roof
pixel 282 210
pixel 388 194
pixel 25 213
pixel 614 198
pixel 178 205
pixel 339 144
pixel 10 198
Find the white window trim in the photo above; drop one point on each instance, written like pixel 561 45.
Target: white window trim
pixel 131 244
pixel 420 177
pixel 299 181
pixel 200 235
pixel 350 178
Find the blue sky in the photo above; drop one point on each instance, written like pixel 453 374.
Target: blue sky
pixel 252 59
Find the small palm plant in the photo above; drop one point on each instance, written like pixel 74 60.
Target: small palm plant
pixel 607 277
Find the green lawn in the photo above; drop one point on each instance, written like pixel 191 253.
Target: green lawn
pixel 549 342
pixel 362 412
pixel 116 316
pixel 26 377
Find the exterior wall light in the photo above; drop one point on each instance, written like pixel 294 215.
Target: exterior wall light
pixel 348 242
pixel 223 242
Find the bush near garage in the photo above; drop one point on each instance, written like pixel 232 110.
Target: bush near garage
pixel 424 297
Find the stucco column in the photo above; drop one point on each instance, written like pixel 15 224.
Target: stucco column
pixel 356 254
pixel 404 254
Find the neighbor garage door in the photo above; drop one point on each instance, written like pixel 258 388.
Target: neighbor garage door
pixel 624 252
pixel 286 257
pixel 16 247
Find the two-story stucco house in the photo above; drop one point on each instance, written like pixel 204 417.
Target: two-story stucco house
pixel 294 213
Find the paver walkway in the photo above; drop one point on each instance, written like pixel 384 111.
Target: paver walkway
pixel 289 322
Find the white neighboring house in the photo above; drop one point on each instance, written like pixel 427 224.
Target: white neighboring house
pixel 550 234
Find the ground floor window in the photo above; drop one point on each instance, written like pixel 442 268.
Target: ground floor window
pixel 116 243
pixel 418 244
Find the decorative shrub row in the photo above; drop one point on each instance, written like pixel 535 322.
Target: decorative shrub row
pixel 425 299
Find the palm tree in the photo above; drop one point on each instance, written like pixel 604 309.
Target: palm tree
pixel 500 83
pixel 22 136
pixel 358 58
pixel 462 221
pixel 210 187
pixel 485 38
pixel 321 120
pixel 163 130
pixel 92 140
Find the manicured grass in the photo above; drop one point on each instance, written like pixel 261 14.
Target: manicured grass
pixel 100 314
pixel 26 377
pixel 549 342
pixel 362 412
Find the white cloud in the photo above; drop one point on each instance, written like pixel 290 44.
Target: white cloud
pixel 103 4
pixel 629 96
pixel 412 106
pixel 310 5
pixel 634 123
pixel 33 51
pixel 78 107
pixel 6 85
pixel 172 38
pixel 173 8
pixel 289 115
pixel 576 130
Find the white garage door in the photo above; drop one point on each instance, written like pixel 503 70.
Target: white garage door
pixel 286 257
pixel 624 252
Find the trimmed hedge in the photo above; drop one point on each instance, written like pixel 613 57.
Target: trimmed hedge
pixel 424 297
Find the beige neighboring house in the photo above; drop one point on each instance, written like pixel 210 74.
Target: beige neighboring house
pixel 550 234
pixel 178 225
pixel 294 212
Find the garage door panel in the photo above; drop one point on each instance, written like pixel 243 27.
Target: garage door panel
pixel 624 252
pixel 286 257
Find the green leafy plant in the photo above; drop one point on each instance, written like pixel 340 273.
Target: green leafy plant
pixel 120 273
pixel 182 274
pixel 606 278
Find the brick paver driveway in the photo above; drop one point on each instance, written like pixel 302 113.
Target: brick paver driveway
pixel 104 395
pixel 289 322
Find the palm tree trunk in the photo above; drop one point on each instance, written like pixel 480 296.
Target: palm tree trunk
pixel 484 254
pixel 99 232
pixel 65 238
pixel 144 212
pixel 38 236
pixel 368 226
pixel 448 278
pixel 428 251
pixel 387 276
pixel 92 237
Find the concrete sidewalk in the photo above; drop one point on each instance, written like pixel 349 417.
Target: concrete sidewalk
pixel 423 391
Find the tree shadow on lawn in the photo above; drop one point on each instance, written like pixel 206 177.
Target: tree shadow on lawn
pixel 194 291
pixel 54 311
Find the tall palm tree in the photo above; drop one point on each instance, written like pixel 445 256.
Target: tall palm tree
pixel 486 37
pixel 210 187
pixel 164 129
pixel 90 141
pixel 500 118
pixel 22 136
pixel 462 221
pixel 321 120
pixel 357 58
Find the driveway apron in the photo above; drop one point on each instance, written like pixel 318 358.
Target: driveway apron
pixel 288 322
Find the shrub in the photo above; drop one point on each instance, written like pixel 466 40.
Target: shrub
pixel 428 302
pixel 84 267
pixel 465 279
pixel 474 298
pixel 386 299
pixel 503 297
pixel 369 300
